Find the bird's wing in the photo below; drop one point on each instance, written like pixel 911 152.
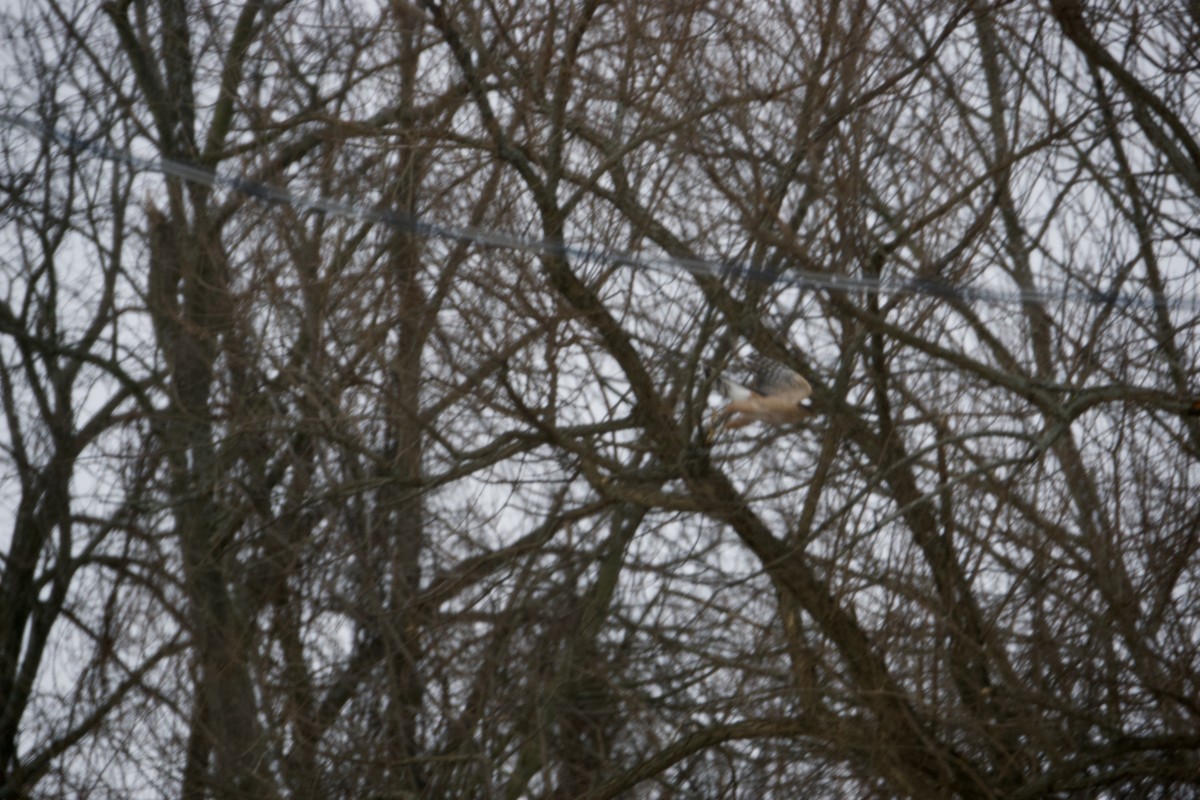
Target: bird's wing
pixel 772 379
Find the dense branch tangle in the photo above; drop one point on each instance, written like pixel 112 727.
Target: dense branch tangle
pixel 322 506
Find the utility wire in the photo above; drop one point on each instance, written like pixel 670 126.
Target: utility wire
pixel 411 224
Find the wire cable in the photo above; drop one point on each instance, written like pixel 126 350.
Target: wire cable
pixel 804 279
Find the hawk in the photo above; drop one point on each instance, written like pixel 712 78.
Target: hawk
pixel 776 395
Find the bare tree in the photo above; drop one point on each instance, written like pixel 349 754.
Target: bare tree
pixel 385 469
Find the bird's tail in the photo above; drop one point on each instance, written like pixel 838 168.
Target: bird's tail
pixel 728 388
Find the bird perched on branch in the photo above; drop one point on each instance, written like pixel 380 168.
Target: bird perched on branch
pixel 773 394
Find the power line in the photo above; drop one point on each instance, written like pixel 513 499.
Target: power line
pixel 798 278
